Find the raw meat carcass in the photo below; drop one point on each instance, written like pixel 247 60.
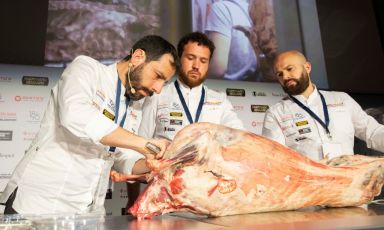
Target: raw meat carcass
pixel 216 171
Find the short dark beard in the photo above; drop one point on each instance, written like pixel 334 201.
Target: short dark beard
pixel 185 79
pixel 301 85
pixel 136 76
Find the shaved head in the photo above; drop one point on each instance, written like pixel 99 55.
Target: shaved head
pixel 292 70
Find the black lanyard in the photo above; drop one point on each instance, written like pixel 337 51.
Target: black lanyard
pixel 313 115
pixel 199 108
pixel 117 107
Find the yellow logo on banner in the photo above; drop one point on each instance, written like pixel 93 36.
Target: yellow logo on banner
pixel 176 114
pixel 301 123
pixel 108 114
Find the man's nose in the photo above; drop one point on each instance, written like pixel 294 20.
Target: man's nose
pixel 157 87
pixel 196 64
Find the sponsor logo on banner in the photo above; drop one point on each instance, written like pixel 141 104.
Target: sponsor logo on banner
pixel 176 122
pixel 5 79
pixel 304 130
pixel 6 135
pixel 257 123
pixel 301 123
pixel 238 108
pixel 260 94
pixel 108 114
pixel 33 80
pixel 29 135
pixel 4 175
pixel 34 99
pixel 235 92
pixel 7 155
pixel 34 116
pixel 7 116
pixel 259 108
pixel 176 114
pixel 281 94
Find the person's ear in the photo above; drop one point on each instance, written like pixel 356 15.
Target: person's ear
pixel 308 67
pixel 138 57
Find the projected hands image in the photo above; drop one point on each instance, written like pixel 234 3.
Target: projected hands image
pixel 244 34
pixel 104 30
pixel 243 31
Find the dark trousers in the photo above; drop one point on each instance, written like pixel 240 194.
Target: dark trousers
pixel 8 205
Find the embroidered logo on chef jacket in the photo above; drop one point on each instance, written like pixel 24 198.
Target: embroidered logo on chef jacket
pixel 98 100
pixel 301 123
pixel 299 116
pixel 285 127
pixel 163 106
pixel 290 134
pixel 176 122
pixel 163 120
pixel 176 106
pixel 98 107
pixel 286 117
pixel 108 114
pixel 133 115
pixel 111 105
pixel 212 103
pixel 176 114
pixel 336 104
pixel 169 129
pixel 305 130
pixel 300 139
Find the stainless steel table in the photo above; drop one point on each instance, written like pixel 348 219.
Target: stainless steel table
pixel 371 217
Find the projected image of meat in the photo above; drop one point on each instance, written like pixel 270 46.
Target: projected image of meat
pixel 217 171
pixel 104 29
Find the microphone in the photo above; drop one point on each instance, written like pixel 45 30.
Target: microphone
pixel 133 91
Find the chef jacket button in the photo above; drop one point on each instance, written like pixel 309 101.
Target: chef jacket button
pixel 37 148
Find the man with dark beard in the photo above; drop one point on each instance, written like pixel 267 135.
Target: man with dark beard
pixel 319 124
pixel 187 100
pixel 66 169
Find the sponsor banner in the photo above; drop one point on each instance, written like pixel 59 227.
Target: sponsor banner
pixel 6 135
pixel 32 80
pixel 235 92
pixel 259 108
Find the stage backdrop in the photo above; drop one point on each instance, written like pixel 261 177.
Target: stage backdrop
pixel 24 94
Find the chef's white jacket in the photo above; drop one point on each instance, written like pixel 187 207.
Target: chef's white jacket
pixel 292 126
pixel 66 168
pixel 164 116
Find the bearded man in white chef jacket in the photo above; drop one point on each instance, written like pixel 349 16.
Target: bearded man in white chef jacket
pixel 66 169
pixel 316 123
pixel 186 100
